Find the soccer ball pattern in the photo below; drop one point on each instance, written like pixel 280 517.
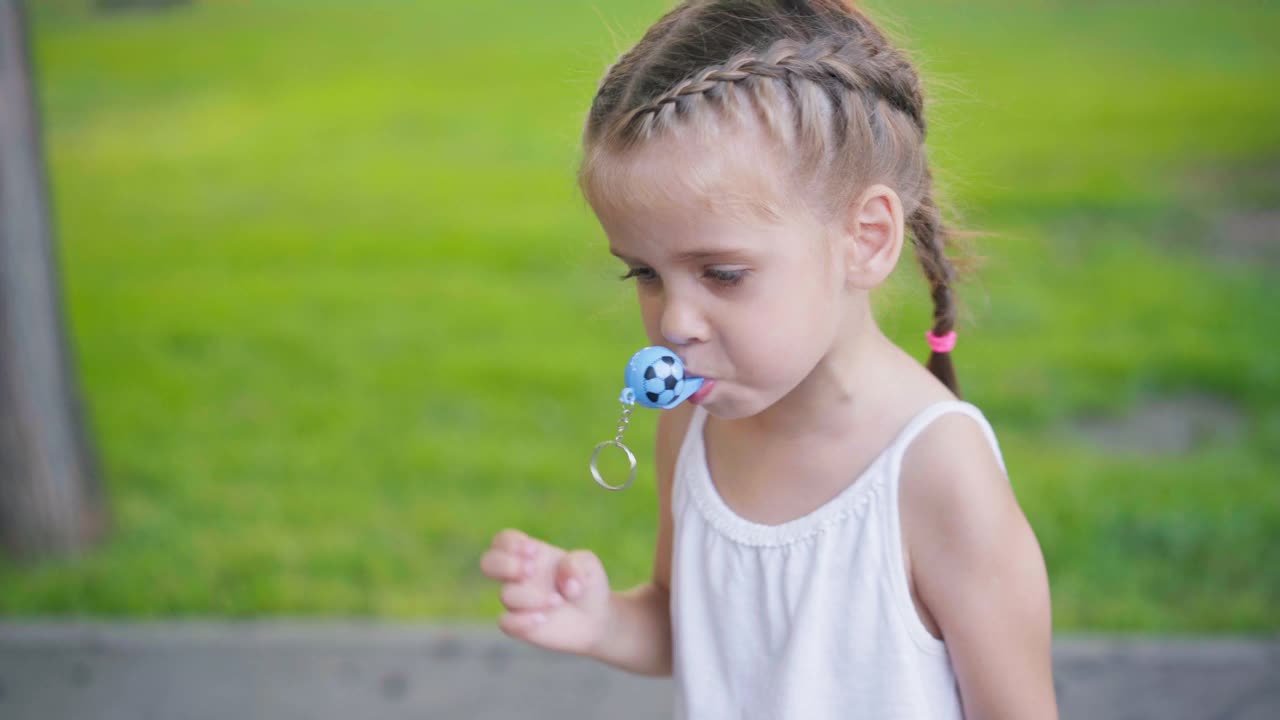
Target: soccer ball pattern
pixel 663 380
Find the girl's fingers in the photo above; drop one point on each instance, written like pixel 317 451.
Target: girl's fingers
pixel 527 596
pixel 516 543
pixel 577 572
pixel 520 624
pixel 504 566
pixel 509 540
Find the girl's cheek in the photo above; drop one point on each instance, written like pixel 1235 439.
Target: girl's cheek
pixel 650 314
pixel 769 320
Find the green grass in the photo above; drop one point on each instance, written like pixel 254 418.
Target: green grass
pixel 325 264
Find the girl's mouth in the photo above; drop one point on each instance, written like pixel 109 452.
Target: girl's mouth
pixel 703 392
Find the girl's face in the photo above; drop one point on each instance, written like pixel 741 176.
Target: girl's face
pixel 750 304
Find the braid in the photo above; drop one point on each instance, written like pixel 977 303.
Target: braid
pixel 930 238
pixel 822 63
pixel 615 86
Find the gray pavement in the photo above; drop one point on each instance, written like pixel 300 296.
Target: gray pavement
pixel 298 669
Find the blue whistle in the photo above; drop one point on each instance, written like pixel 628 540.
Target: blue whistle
pixel 655 378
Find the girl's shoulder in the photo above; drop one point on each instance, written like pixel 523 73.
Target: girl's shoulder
pixel 948 446
pixel 949 439
pixel 955 502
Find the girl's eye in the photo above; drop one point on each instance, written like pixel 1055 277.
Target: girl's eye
pixel 728 278
pixel 641 274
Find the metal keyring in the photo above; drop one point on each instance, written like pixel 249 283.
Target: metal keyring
pixel 595 472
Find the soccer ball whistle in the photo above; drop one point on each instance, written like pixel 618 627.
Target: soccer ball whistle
pixel 654 378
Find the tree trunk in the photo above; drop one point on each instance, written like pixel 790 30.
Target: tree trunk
pixel 50 500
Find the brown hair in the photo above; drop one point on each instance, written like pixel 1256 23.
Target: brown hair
pixel 844 105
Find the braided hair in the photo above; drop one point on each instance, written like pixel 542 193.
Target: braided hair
pixel 826 85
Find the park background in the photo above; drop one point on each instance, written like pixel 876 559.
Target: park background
pixel 340 314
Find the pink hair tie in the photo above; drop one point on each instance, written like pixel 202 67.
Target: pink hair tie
pixel 943 343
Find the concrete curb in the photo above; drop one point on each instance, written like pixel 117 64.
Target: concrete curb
pixel 283 669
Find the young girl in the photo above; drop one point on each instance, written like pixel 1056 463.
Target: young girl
pixel 836 534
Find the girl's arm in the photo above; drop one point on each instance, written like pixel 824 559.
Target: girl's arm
pixel 979 571
pixel 638 635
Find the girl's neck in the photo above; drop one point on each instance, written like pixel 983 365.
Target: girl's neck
pixel 829 401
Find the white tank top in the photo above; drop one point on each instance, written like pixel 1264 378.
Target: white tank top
pixel 808 620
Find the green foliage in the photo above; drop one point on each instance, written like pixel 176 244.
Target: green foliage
pixel 341 316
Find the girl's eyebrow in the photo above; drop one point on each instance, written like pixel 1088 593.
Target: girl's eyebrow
pixel 690 255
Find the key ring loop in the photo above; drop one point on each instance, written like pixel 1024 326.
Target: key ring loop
pixel 628 399
pixel 595 472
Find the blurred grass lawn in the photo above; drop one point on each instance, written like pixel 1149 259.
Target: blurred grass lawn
pixel 341 315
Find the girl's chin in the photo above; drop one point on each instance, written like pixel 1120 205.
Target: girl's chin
pixel 725 412
pixel 733 407
pixel 725 408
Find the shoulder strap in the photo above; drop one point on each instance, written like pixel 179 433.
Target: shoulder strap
pixel 936 410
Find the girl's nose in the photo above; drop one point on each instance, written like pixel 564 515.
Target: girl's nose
pixel 682 322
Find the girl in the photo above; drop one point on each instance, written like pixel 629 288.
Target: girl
pixel 836 534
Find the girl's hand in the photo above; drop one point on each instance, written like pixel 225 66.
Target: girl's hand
pixel 557 600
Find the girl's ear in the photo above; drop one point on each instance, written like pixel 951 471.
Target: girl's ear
pixel 873 236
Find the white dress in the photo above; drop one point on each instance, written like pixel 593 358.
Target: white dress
pixel 808 620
